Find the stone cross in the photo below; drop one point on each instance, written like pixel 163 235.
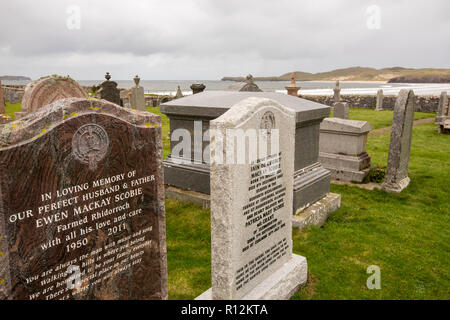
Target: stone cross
pixel 137 96
pixel 82 204
pixel 109 90
pixel 380 97
pixel 400 146
pixel 251 203
pixel 341 110
pixel 2 101
pixel 337 93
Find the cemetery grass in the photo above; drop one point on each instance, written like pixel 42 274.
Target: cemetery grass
pixel 405 234
pixel 12 108
pixel 381 119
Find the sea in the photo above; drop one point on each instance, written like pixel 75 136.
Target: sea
pixel 169 87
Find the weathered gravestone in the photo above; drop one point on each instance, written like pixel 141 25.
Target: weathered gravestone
pixel 250 86
pixel 82 204
pixel 379 103
pixel 443 114
pixel 2 101
pixel 341 110
pixel 49 89
pixel 179 93
pixel 400 146
pixel 109 91
pixel 292 88
pixel 251 203
pixel 138 96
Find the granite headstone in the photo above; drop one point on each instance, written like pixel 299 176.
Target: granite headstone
pixel 400 145
pixel 82 204
pixel 251 203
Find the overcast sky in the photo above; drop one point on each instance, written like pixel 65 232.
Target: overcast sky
pixel 209 39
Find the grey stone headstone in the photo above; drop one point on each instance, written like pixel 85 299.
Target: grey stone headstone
pixel 337 93
pixel 341 110
pixel 442 104
pixel 400 146
pixel 380 97
pixel 197 88
pixel 138 96
pixel 109 90
pixel 251 204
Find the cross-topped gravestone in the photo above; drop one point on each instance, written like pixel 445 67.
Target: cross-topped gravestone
pixel 138 96
pixel 400 146
pixel 82 204
pixel 109 91
pixel 252 170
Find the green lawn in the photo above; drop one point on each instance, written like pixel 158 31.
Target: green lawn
pixel 406 235
pixel 381 119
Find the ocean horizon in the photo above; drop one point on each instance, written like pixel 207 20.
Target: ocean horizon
pixel 169 87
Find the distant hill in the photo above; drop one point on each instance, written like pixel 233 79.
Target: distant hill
pixel 363 74
pixel 20 78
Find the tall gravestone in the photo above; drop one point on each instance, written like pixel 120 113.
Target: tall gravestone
pixel 2 101
pixel 49 89
pixel 400 146
pixel 443 114
pixel 379 103
pixel 251 203
pixel 82 204
pixel 109 91
pixel 137 95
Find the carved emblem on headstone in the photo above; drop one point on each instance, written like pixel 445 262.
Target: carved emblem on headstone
pixel 268 121
pixel 90 144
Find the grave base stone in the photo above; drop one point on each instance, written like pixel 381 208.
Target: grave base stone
pixel 341 110
pixel 400 144
pixel 342 148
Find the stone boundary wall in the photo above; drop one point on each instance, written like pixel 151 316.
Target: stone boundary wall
pixel 423 103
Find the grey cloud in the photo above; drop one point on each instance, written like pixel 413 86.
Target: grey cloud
pixel 209 39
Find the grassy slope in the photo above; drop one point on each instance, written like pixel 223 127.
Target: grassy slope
pixel 368 74
pixel 406 235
